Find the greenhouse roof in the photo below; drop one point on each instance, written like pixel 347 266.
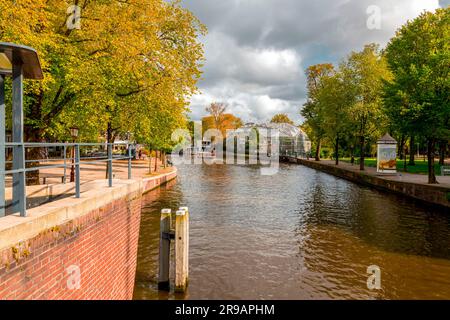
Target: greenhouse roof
pixel 285 129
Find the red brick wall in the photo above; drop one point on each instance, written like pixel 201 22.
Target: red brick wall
pixel 153 182
pixel 101 245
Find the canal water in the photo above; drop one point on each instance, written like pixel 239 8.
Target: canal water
pixel 299 234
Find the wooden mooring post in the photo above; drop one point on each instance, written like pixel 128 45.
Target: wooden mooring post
pixel 164 249
pixel 186 209
pixel 181 237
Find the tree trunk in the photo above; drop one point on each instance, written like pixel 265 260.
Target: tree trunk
pixel 362 142
pixel 156 160
pixel 401 147
pixel 336 152
pixel 150 161
pixel 109 139
pixel 352 155
pixel 430 154
pixel 442 151
pixel 164 160
pixel 318 150
pixel 33 135
pixel 412 151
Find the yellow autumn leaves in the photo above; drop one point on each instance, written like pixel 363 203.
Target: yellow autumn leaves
pixel 131 64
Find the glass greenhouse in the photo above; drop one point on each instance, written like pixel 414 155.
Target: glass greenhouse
pixel 292 140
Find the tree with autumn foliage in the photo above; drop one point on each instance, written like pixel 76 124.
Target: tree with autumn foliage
pixel 130 64
pixel 217 110
pixel 281 118
pixel 227 122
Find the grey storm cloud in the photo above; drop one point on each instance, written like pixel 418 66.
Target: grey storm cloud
pixel 257 50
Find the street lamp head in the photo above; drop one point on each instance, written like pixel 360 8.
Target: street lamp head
pixel 74 132
pixel 12 55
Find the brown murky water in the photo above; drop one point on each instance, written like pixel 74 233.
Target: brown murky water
pixel 300 234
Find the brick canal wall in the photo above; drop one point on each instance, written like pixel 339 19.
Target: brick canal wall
pixel 75 248
pixel 431 194
pixel 154 182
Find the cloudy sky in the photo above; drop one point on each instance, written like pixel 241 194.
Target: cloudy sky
pixel 257 50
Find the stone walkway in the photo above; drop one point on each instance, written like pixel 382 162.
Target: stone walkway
pixel 444 181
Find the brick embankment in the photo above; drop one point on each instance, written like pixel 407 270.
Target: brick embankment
pixel 76 248
pixel 411 185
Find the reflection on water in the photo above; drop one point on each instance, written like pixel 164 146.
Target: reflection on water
pixel 300 234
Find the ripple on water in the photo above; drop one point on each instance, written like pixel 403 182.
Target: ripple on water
pixel 300 234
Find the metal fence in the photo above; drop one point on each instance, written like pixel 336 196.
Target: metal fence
pixel 19 167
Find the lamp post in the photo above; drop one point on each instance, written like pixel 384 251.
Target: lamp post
pixel 74 134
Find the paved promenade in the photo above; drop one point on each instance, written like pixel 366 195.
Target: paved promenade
pixel 412 185
pixel 444 181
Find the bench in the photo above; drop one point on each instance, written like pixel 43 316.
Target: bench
pixel 445 170
pixel 44 179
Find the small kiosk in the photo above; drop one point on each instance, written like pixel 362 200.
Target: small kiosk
pixel 387 155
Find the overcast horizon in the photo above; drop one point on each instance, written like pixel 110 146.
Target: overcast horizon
pixel 257 50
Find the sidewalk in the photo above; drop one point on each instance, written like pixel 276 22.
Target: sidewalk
pixel 411 185
pixel 444 181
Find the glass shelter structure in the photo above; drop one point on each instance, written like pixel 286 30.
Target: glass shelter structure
pixel 19 62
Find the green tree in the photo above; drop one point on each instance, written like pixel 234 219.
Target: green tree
pixel 363 74
pixel 311 110
pixel 419 58
pixel 335 100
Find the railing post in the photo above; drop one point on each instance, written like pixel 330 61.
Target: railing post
pixel 129 161
pixel 65 164
pixel 110 165
pixel 2 146
pixel 180 251
pixel 19 188
pixel 164 249
pixel 77 171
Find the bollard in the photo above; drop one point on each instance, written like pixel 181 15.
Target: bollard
pixel 186 209
pixel 164 250
pixel 181 241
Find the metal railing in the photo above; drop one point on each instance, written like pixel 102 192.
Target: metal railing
pixel 19 168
